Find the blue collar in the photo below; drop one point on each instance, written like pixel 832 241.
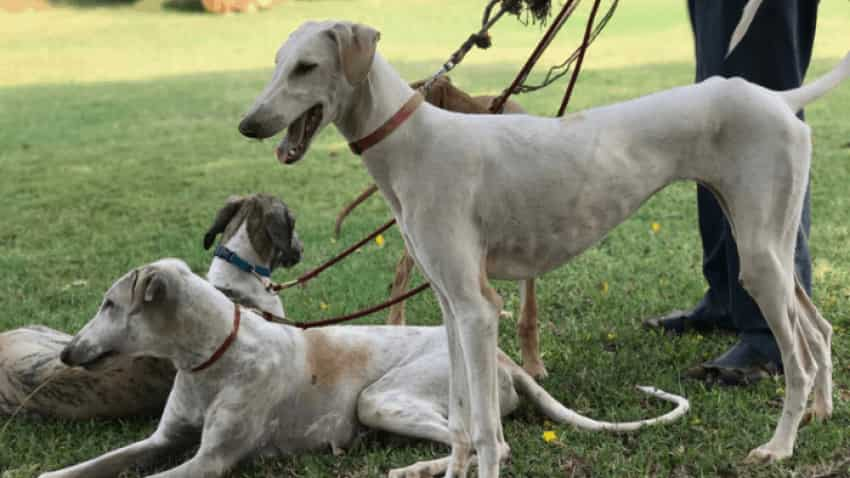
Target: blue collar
pixel 233 258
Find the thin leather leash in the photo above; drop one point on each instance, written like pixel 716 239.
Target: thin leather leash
pixel 343 318
pixel 311 274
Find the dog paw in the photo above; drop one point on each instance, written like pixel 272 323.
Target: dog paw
pixel 765 454
pixel 821 407
pixel 422 469
pixel 409 472
pixel 536 370
pixel 815 413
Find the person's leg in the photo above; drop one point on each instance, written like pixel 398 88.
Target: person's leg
pixel 775 53
pixel 712 311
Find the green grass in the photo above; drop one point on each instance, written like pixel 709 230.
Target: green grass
pixel 118 142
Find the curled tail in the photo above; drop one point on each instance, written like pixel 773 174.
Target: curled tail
pixel 557 412
pixel 800 97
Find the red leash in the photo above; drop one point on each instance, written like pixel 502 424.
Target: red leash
pixel 584 44
pixel 556 25
pixel 309 275
pixel 344 318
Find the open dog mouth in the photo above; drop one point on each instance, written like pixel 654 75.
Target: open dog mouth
pixel 298 135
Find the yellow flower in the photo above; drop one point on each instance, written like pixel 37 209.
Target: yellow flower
pixel 603 287
pixel 323 306
pixel 549 436
pixel 380 240
pixel 655 227
pixel 612 336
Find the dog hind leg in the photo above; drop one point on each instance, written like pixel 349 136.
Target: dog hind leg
pixel 400 283
pixel 528 331
pixel 765 227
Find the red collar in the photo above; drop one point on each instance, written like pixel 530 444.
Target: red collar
pixel 226 344
pixel 407 109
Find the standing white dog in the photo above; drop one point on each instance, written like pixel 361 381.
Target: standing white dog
pixel 514 196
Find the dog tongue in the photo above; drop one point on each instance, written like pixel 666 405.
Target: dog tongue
pixel 294 136
pixel 281 152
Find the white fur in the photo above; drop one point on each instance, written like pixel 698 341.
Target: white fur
pixel 514 196
pixel 226 276
pixel 281 390
pixel 29 357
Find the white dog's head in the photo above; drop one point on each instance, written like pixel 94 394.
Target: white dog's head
pixel 138 316
pixel 317 69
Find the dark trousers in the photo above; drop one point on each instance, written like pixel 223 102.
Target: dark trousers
pixel 775 53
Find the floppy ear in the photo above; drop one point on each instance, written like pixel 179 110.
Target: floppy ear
pixel 279 226
pixel 222 219
pixel 357 44
pixel 150 286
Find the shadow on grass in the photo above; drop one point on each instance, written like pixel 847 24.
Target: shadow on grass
pixel 179 6
pixel 183 6
pixel 92 3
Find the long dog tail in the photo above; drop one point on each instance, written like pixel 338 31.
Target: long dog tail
pixel 557 412
pixel 800 97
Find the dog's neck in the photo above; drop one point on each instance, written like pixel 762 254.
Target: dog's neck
pixel 243 287
pixel 374 101
pixel 370 105
pixel 206 321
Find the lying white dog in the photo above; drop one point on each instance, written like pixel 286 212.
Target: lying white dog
pixel 257 230
pixel 514 196
pixel 250 386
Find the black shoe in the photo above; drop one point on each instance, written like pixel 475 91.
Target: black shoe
pixel 741 365
pixel 702 318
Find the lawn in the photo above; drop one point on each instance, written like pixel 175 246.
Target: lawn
pixel 118 142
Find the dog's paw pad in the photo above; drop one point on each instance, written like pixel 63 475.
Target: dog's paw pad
pixel 764 454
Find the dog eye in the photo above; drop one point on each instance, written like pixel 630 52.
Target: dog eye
pixel 303 67
pixel 108 304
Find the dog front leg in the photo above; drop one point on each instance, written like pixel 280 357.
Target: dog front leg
pixel 145 452
pixel 528 331
pixel 231 431
pixel 472 328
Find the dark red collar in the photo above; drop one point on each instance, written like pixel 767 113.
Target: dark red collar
pixel 226 344
pixel 407 109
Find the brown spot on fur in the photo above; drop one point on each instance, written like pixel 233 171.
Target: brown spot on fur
pixel 330 361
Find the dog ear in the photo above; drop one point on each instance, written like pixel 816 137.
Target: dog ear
pixel 280 226
pixel 357 44
pixel 222 219
pixel 155 286
pixel 150 285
